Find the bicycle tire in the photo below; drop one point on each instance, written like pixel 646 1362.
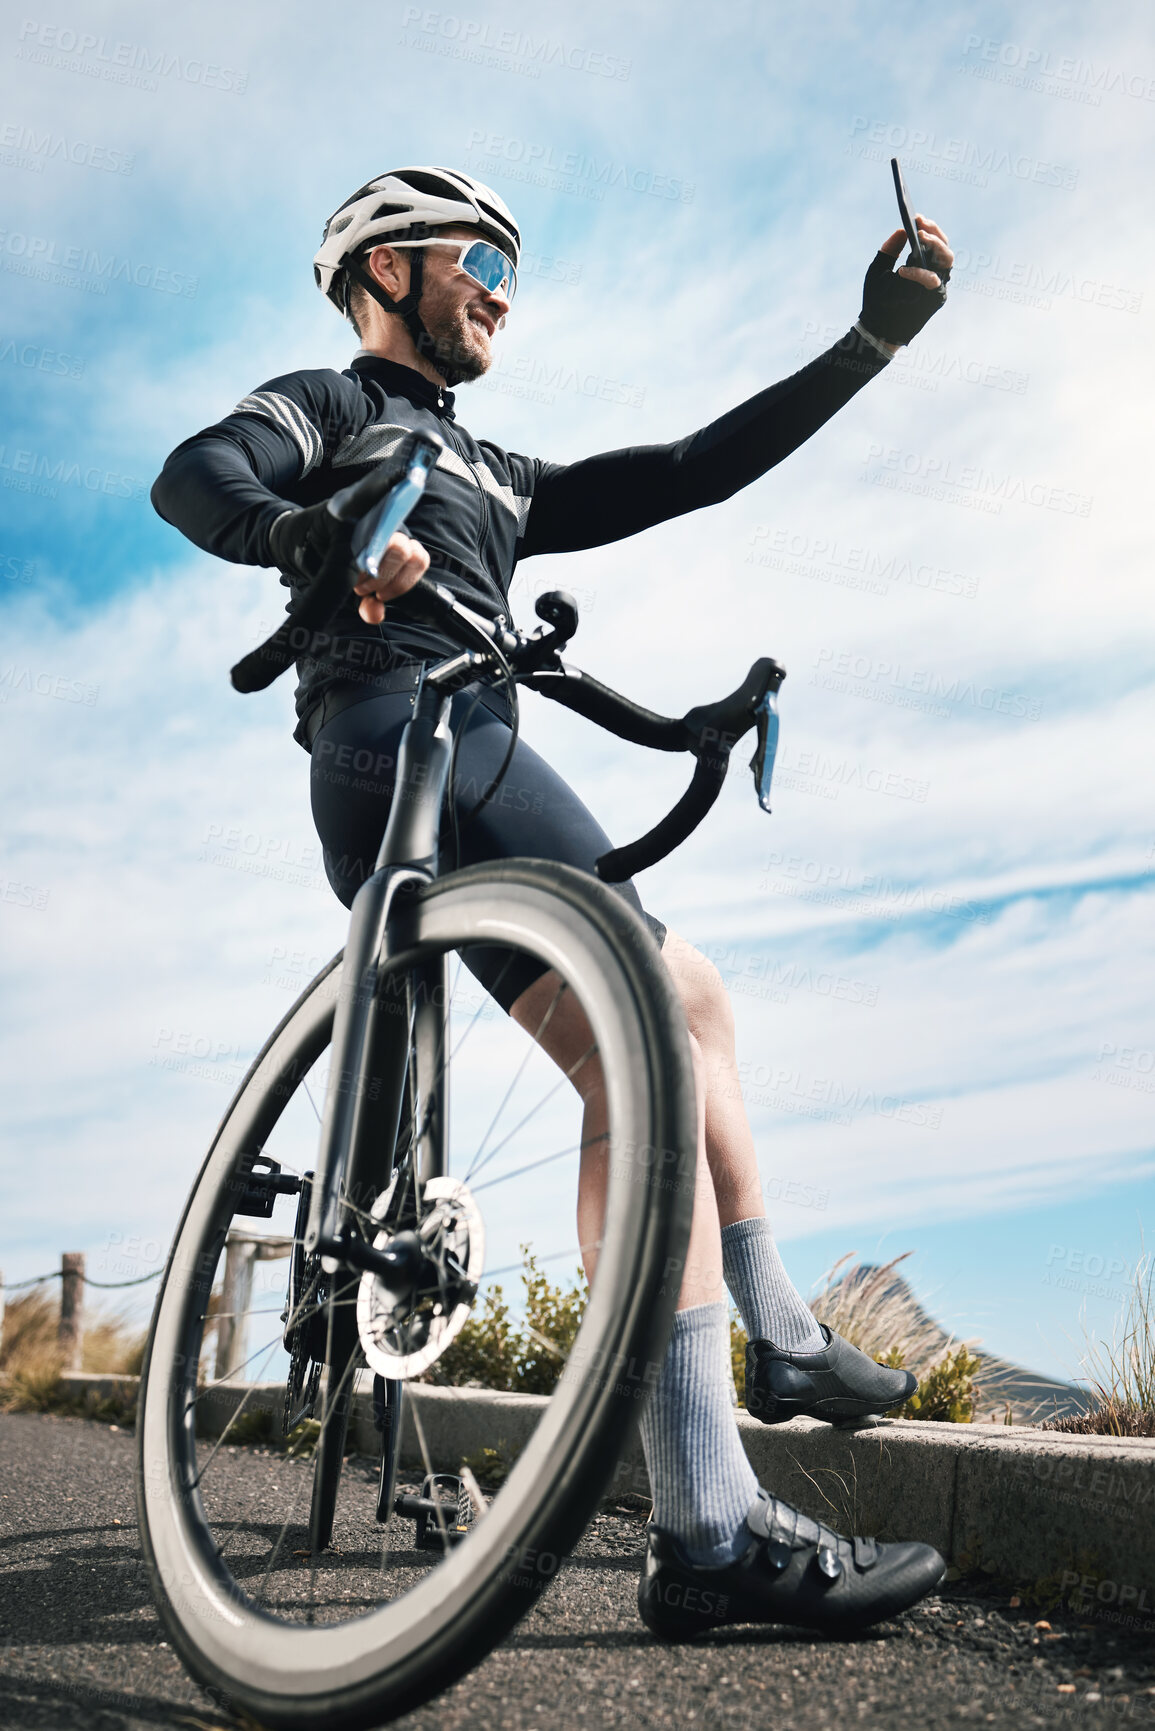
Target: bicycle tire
pixel 374 1666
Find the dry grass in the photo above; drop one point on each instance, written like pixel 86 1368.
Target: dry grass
pixel 1109 1418
pixel 875 1310
pixel 1121 1371
pixel 30 1359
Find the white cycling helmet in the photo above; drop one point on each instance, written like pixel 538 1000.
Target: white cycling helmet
pixel 408 202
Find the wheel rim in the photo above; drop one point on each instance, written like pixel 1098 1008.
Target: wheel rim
pixel 218 1613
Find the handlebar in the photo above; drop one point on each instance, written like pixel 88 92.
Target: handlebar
pixel 709 731
pixel 376 507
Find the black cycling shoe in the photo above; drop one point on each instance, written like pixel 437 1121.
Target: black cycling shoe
pixel 795 1570
pixel 835 1383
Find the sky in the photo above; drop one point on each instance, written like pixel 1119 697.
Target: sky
pixel 939 945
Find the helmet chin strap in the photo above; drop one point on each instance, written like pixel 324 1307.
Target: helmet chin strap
pixel 405 308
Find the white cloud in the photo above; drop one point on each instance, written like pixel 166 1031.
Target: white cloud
pixel 692 306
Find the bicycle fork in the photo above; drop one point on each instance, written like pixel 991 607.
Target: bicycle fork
pixel 379 1019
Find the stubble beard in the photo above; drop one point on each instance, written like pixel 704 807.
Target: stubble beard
pixel 457 347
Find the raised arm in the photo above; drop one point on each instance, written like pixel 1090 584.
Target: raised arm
pixel 646 484
pixel 642 485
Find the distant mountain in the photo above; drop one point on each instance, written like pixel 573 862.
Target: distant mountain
pixel 1032 1397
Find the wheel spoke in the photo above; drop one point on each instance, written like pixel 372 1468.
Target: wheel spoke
pixel 520 1171
pixel 510 1122
pixel 477 1161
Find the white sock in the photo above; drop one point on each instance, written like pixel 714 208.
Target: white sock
pixel 771 1306
pixel 702 1483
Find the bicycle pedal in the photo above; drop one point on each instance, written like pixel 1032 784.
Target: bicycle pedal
pixel 441 1522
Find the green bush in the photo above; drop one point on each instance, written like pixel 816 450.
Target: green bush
pixel 491 1467
pixel 250 1429
pixel 494 1351
pixel 945 1392
pixel 947 1388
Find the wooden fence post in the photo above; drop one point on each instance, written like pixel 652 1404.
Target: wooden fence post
pixel 242 1251
pixel 235 1301
pixel 71 1332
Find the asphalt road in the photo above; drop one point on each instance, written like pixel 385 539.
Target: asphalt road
pixel 81 1648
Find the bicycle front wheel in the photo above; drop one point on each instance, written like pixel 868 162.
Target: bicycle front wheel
pixel 393 1610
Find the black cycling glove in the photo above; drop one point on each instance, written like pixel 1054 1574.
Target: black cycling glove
pixel 894 309
pixel 302 541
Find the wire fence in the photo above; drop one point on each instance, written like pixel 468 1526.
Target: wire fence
pixel 73 1278
pixel 58 1274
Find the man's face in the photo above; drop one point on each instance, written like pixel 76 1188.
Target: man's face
pixel 460 315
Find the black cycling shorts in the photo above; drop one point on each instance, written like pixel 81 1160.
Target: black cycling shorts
pixel 533 814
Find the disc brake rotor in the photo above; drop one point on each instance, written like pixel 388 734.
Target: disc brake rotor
pixel 407 1325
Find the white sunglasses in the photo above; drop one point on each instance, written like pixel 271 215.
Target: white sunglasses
pixel 489 267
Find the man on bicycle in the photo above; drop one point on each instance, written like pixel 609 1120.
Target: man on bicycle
pixel 423 262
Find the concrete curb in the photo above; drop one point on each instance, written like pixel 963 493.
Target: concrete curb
pixel 1025 1504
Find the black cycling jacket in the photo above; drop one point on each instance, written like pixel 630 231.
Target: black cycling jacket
pixel 301 437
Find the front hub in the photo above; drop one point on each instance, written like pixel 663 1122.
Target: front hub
pixel 417 1298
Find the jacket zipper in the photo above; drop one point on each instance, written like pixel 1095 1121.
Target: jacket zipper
pixel 471 466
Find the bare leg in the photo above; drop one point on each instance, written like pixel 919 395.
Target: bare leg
pixel 726 1146
pixel 702 1483
pixel 729 1142
pixel 560 1027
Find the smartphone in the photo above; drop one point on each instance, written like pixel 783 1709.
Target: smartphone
pixel 917 256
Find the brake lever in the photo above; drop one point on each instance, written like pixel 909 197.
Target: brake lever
pixel 766 749
pixel 375 529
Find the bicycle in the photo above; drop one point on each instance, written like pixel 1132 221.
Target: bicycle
pixel 343 1614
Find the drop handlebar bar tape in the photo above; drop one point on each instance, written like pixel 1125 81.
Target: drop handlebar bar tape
pixel 609 710
pixel 709 731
